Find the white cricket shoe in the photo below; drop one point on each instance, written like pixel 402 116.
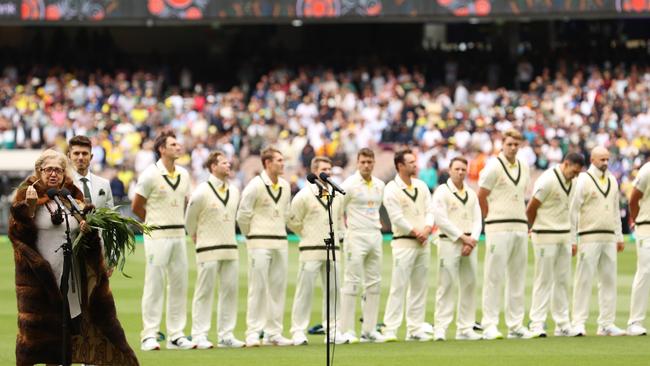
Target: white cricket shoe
pixel 439 334
pixel 566 331
pixel 492 333
pixel 520 333
pixel 337 338
pixel 349 338
pixel 202 342
pixel 427 328
pixel 636 329
pixel 372 337
pixel 580 330
pixel 419 337
pixel 277 340
pixel 468 335
pixel 180 343
pixel 538 332
pixel 299 339
pixel 150 344
pixel 612 331
pixel 390 336
pixel 253 340
pixel 230 342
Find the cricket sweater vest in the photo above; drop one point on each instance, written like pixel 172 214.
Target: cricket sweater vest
pixel 642 183
pixel 599 209
pixel 552 224
pixel 165 207
pixel 211 216
pixel 267 226
pixel 506 205
pixel 310 220
pixel 460 209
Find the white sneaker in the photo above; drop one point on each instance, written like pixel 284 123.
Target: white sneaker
pixel 520 333
pixel 299 339
pixel 492 333
pixel 181 343
pixel 231 342
pixel 202 342
pixel 419 337
pixel 468 335
pixel 427 328
pixel 253 340
pixel 277 340
pixel 538 332
pixel 636 330
pixel 389 335
pixel 566 331
pixel 349 338
pixel 337 338
pixel 372 337
pixel 150 344
pixel 580 330
pixel 612 331
pixel 439 334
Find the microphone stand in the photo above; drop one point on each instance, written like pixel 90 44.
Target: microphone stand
pixel 330 247
pixel 64 287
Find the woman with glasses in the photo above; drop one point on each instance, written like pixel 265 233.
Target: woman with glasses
pixel 37 230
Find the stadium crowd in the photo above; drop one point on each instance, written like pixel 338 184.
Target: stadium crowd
pixel 310 112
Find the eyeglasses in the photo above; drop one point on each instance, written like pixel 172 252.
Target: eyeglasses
pixel 50 170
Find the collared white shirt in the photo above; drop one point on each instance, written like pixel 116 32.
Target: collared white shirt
pixel 362 202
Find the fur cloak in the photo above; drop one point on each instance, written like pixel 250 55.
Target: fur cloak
pixel 101 340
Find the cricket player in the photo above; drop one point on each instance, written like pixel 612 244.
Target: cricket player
pixel 408 203
pixel 262 217
pixel 310 220
pixel 458 216
pixel 548 215
pixel 363 250
pixel 640 214
pixel 595 213
pixel 210 221
pixel 160 198
pixel 502 185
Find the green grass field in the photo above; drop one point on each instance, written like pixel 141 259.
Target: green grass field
pixel 590 350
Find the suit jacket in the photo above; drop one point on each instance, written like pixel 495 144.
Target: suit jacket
pixel 100 190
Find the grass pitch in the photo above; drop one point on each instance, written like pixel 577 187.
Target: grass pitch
pixel 590 350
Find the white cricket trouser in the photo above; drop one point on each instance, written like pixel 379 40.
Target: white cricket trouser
pixel 409 283
pixel 267 287
pixel 307 274
pixel 551 284
pixel 206 278
pixel 595 258
pixel 363 256
pixel 166 257
pixel 455 272
pixel 505 262
pixel 641 284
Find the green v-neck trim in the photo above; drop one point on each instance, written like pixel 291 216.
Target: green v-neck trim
pixel 605 193
pixel 462 200
pixel 223 200
pixel 173 185
pixel 513 180
pixel 276 199
pixel 566 190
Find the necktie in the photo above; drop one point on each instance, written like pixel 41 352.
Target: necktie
pixel 86 190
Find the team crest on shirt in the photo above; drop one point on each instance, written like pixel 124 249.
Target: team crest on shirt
pixel 453 207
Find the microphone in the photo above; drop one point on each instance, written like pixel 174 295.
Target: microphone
pixel 313 179
pixel 329 181
pixel 73 203
pixel 53 194
pixel 56 195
